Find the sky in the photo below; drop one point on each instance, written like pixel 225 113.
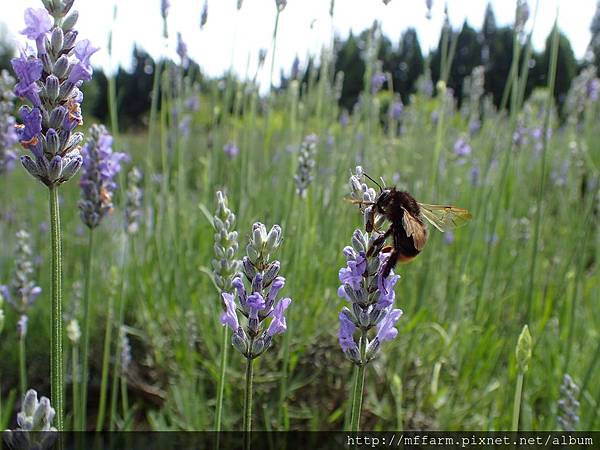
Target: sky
pixel 232 38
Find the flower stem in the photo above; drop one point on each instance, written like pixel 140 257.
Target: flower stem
pixel 248 397
pixel 359 384
pixel 75 379
pixel 22 369
pixel 56 345
pixel 221 385
pixel 86 333
pixel 105 363
pixel 517 403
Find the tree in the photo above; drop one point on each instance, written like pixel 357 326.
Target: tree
pixel 566 68
pixel 406 64
pixel 349 61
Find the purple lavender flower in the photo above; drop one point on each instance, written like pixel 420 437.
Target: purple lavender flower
pixel 256 299
pixel 231 149
pixel 474 127
pixel 97 183
pixel 182 50
pixel 280 4
pixel 462 147
pixel 385 328
pixel 449 237
pixel 344 118
pixel 164 8
pixel 278 324
pixel 377 81
pixel 396 109
pixel 346 335
pixel 475 173
pixel 38 22
pixel 229 317
pixel 53 71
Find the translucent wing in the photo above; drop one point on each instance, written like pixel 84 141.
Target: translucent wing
pixel 445 218
pixel 414 229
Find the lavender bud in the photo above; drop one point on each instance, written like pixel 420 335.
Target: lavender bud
pixel 273 239
pixel 61 66
pixel 239 342
pixel 226 245
pixel 22 327
pixel 249 269
pixel 56 166
pixel 57 117
pixel 57 40
pixel 271 272
pixel 35 418
pixel 70 21
pixel 52 89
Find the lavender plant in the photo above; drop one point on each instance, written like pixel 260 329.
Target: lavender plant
pixel 371 297
pixel 8 133
pixel 306 164
pixel 97 183
pixel 204 14
pixel 225 267
pixel 21 294
pixel 35 430
pixel 568 405
pixel 133 205
pixel 49 80
pixel 523 357
pixel 255 300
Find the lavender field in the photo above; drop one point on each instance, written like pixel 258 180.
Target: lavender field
pixel 214 266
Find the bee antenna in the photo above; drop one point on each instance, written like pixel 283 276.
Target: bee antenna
pixel 378 185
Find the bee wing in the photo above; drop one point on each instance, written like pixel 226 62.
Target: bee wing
pixel 445 218
pixel 415 229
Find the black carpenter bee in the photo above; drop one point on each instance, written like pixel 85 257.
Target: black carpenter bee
pixel 408 228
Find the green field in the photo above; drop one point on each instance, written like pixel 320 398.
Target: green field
pixel 529 256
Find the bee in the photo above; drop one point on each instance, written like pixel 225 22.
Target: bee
pixel 408 223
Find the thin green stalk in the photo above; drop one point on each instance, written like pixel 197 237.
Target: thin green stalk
pixel 248 395
pixel 75 382
pixel 517 402
pixel 540 193
pixel 221 383
pixel 56 345
pixel 359 386
pixel 105 363
pixel 86 332
pixel 127 244
pixel 22 366
pixel 274 48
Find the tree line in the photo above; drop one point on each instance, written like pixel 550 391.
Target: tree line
pixel 491 47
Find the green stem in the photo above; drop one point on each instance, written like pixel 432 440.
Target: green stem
pixel 75 382
pixel 56 345
pixel 105 363
pixel 248 396
pixel 22 366
pixel 359 384
pixel 86 333
pixel 517 402
pixel 221 384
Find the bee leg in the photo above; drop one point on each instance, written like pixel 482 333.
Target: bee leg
pixel 375 247
pixel 391 262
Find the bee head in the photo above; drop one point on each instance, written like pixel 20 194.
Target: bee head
pixel 383 200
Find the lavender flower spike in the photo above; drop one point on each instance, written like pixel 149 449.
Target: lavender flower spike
pixel 8 134
pixel 255 299
pixel 22 291
pixel 225 265
pixel 133 205
pixel 306 164
pixel 370 294
pixel 97 183
pixel 35 430
pixel 53 71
